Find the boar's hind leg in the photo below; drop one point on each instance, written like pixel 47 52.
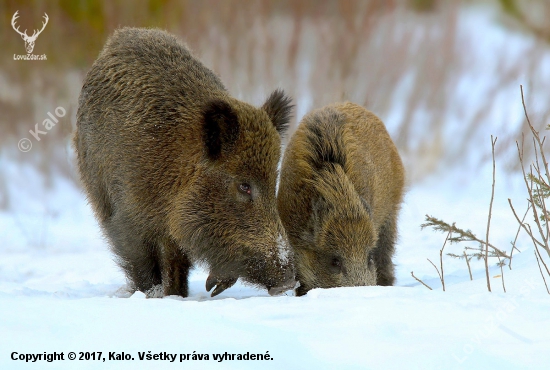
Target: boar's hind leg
pixel 383 252
pixel 175 270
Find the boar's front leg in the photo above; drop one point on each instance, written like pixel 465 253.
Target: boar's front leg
pixel 384 251
pixel 175 270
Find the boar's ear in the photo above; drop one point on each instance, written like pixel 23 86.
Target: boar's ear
pixel 220 128
pixel 319 208
pixel 278 107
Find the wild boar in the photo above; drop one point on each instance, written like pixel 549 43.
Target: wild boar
pixel 178 172
pixel 340 192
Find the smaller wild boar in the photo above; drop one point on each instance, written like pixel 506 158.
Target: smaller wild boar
pixel 340 192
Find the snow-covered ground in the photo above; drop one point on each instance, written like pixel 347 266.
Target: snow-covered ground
pixel 60 291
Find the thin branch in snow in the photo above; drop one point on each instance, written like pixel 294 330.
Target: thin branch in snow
pixel 544 263
pixel 468 263
pixel 541 273
pixel 420 281
pixel 524 225
pixel 516 238
pixel 442 277
pixel 493 142
pixel 436 269
pixel 536 135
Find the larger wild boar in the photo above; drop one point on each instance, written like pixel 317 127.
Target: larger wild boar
pixel 177 171
pixel 341 188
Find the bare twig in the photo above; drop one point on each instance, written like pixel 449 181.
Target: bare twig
pixel 540 182
pixel 535 134
pixel 442 277
pixel 537 217
pixel 436 269
pixel 545 215
pixel 501 274
pixel 493 142
pixel 420 281
pixel 517 234
pixel 524 225
pixel 531 199
pixel 544 263
pixel 468 263
pixel 541 274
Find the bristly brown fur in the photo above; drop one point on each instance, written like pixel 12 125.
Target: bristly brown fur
pixel 323 151
pixel 341 188
pixel 163 150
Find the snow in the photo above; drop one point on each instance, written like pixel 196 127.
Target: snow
pixel 283 249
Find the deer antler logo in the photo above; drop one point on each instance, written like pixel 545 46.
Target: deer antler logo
pixel 29 40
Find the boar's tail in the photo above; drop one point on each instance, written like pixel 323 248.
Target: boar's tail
pixel 325 130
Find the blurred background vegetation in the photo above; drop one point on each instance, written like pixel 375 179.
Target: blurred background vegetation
pixel 439 73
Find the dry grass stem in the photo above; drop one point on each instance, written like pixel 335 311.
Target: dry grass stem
pixel 442 277
pixel 529 186
pixel 525 226
pixel 541 273
pixel 468 263
pixel 516 238
pixel 537 252
pixel 420 281
pixel 438 273
pixel 535 200
pixel 535 134
pixel 500 263
pixel 493 142
pixel 540 183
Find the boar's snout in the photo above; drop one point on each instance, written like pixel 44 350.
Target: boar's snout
pixel 273 268
pixel 288 283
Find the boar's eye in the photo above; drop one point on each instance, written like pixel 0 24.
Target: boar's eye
pixel 245 188
pixel 336 265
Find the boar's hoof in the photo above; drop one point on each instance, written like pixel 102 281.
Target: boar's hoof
pixel 221 284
